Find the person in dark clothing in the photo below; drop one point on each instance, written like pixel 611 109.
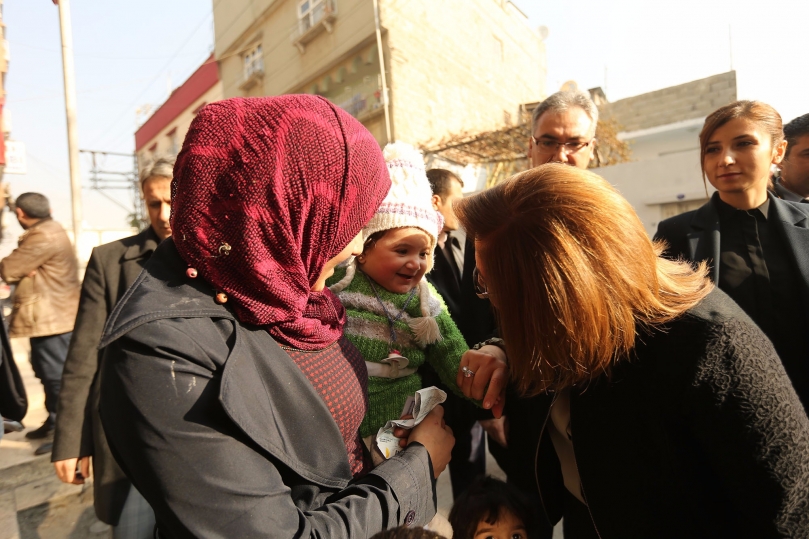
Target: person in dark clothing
pixel 756 244
pixel 659 408
pixel 79 437
pixel 454 264
pixel 234 400
pixel 793 181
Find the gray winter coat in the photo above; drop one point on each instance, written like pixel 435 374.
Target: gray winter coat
pixel 222 433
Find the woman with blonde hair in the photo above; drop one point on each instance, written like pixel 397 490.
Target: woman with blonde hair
pixel 658 408
pixel 756 244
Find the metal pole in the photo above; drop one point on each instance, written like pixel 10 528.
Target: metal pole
pixel 70 112
pixel 385 100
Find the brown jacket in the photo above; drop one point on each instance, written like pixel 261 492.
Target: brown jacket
pixel 46 302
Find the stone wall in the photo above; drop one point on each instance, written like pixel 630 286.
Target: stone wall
pixel 674 104
pixel 459 66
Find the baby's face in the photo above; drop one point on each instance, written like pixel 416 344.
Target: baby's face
pixel 508 526
pixel 399 259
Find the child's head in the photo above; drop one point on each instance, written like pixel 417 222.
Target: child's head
pixel 397 258
pixel 401 236
pixel 491 508
pixel 404 532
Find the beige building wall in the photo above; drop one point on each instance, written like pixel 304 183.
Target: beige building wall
pixel 169 140
pixel 459 66
pixel 452 65
pixel 286 68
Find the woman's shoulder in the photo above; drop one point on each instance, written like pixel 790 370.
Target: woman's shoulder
pixel 162 292
pixel 731 339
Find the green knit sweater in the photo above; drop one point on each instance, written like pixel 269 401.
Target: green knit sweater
pixel 368 329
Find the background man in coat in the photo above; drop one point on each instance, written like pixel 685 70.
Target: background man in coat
pixel 454 262
pixel 46 272
pixel 79 435
pixel 793 184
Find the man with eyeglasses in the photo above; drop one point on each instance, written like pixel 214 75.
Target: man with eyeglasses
pixel 563 130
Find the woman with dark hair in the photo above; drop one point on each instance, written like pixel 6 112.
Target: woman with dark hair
pixel 756 245
pixel 659 408
pixel 229 396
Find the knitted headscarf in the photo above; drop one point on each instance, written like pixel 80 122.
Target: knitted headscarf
pixel 265 192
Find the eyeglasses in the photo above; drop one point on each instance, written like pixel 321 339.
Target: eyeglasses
pixel 551 146
pixel 480 285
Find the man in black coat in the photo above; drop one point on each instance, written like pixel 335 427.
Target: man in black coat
pixel 793 183
pixel 454 262
pixel 112 268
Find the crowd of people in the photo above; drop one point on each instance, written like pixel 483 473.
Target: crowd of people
pixel 226 372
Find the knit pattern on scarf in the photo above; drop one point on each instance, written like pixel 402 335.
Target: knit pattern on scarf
pixel 368 329
pixel 265 192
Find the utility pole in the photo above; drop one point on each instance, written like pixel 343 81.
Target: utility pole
pixel 70 112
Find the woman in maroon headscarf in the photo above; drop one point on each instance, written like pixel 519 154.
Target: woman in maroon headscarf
pixel 229 396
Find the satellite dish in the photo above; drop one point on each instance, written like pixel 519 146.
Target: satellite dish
pixel 543 32
pixel 569 86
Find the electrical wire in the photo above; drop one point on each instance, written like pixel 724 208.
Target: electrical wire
pixel 159 73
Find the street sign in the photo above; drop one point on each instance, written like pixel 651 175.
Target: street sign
pixel 15 157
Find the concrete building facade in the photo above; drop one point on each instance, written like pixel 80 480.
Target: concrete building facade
pixel 163 132
pixel 450 66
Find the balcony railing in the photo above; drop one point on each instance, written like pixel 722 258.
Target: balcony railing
pixel 312 23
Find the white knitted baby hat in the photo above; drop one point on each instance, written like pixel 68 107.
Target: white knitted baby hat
pixel 410 200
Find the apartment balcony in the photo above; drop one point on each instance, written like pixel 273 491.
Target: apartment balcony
pixel 317 16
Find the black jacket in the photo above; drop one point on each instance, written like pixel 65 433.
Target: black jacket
pixel 223 434
pixel 700 434
pixel 695 236
pixel 111 269
pixel 472 315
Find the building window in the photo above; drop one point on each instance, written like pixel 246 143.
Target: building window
pixel 311 12
pixel 173 143
pixel 253 62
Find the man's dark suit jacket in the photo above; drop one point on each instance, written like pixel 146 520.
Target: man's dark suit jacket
pixel 695 236
pixel 472 315
pixel 112 268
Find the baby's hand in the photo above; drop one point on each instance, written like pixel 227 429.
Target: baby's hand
pixel 490 369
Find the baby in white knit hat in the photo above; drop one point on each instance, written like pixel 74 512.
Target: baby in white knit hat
pixel 396 319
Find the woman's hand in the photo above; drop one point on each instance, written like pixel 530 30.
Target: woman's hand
pixel 434 434
pixel 490 368
pixel 66 470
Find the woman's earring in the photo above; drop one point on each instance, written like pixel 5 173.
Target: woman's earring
pixel 361 259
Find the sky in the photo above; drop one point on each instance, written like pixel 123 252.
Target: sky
pixel 127 55
pixel 131 54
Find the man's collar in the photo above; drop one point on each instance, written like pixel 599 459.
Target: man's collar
pixel 149 241
pixel 785 193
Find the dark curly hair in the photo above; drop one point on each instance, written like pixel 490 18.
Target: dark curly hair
pixel 488 499
pixel 795 130
pixel 403 532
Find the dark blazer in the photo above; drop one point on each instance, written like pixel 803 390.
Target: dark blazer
pixel 224 435
pixel 111 269
pixel 700 434
pixel 472 315
pixel 695 236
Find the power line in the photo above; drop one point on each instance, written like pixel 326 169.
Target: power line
pixel 159 73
